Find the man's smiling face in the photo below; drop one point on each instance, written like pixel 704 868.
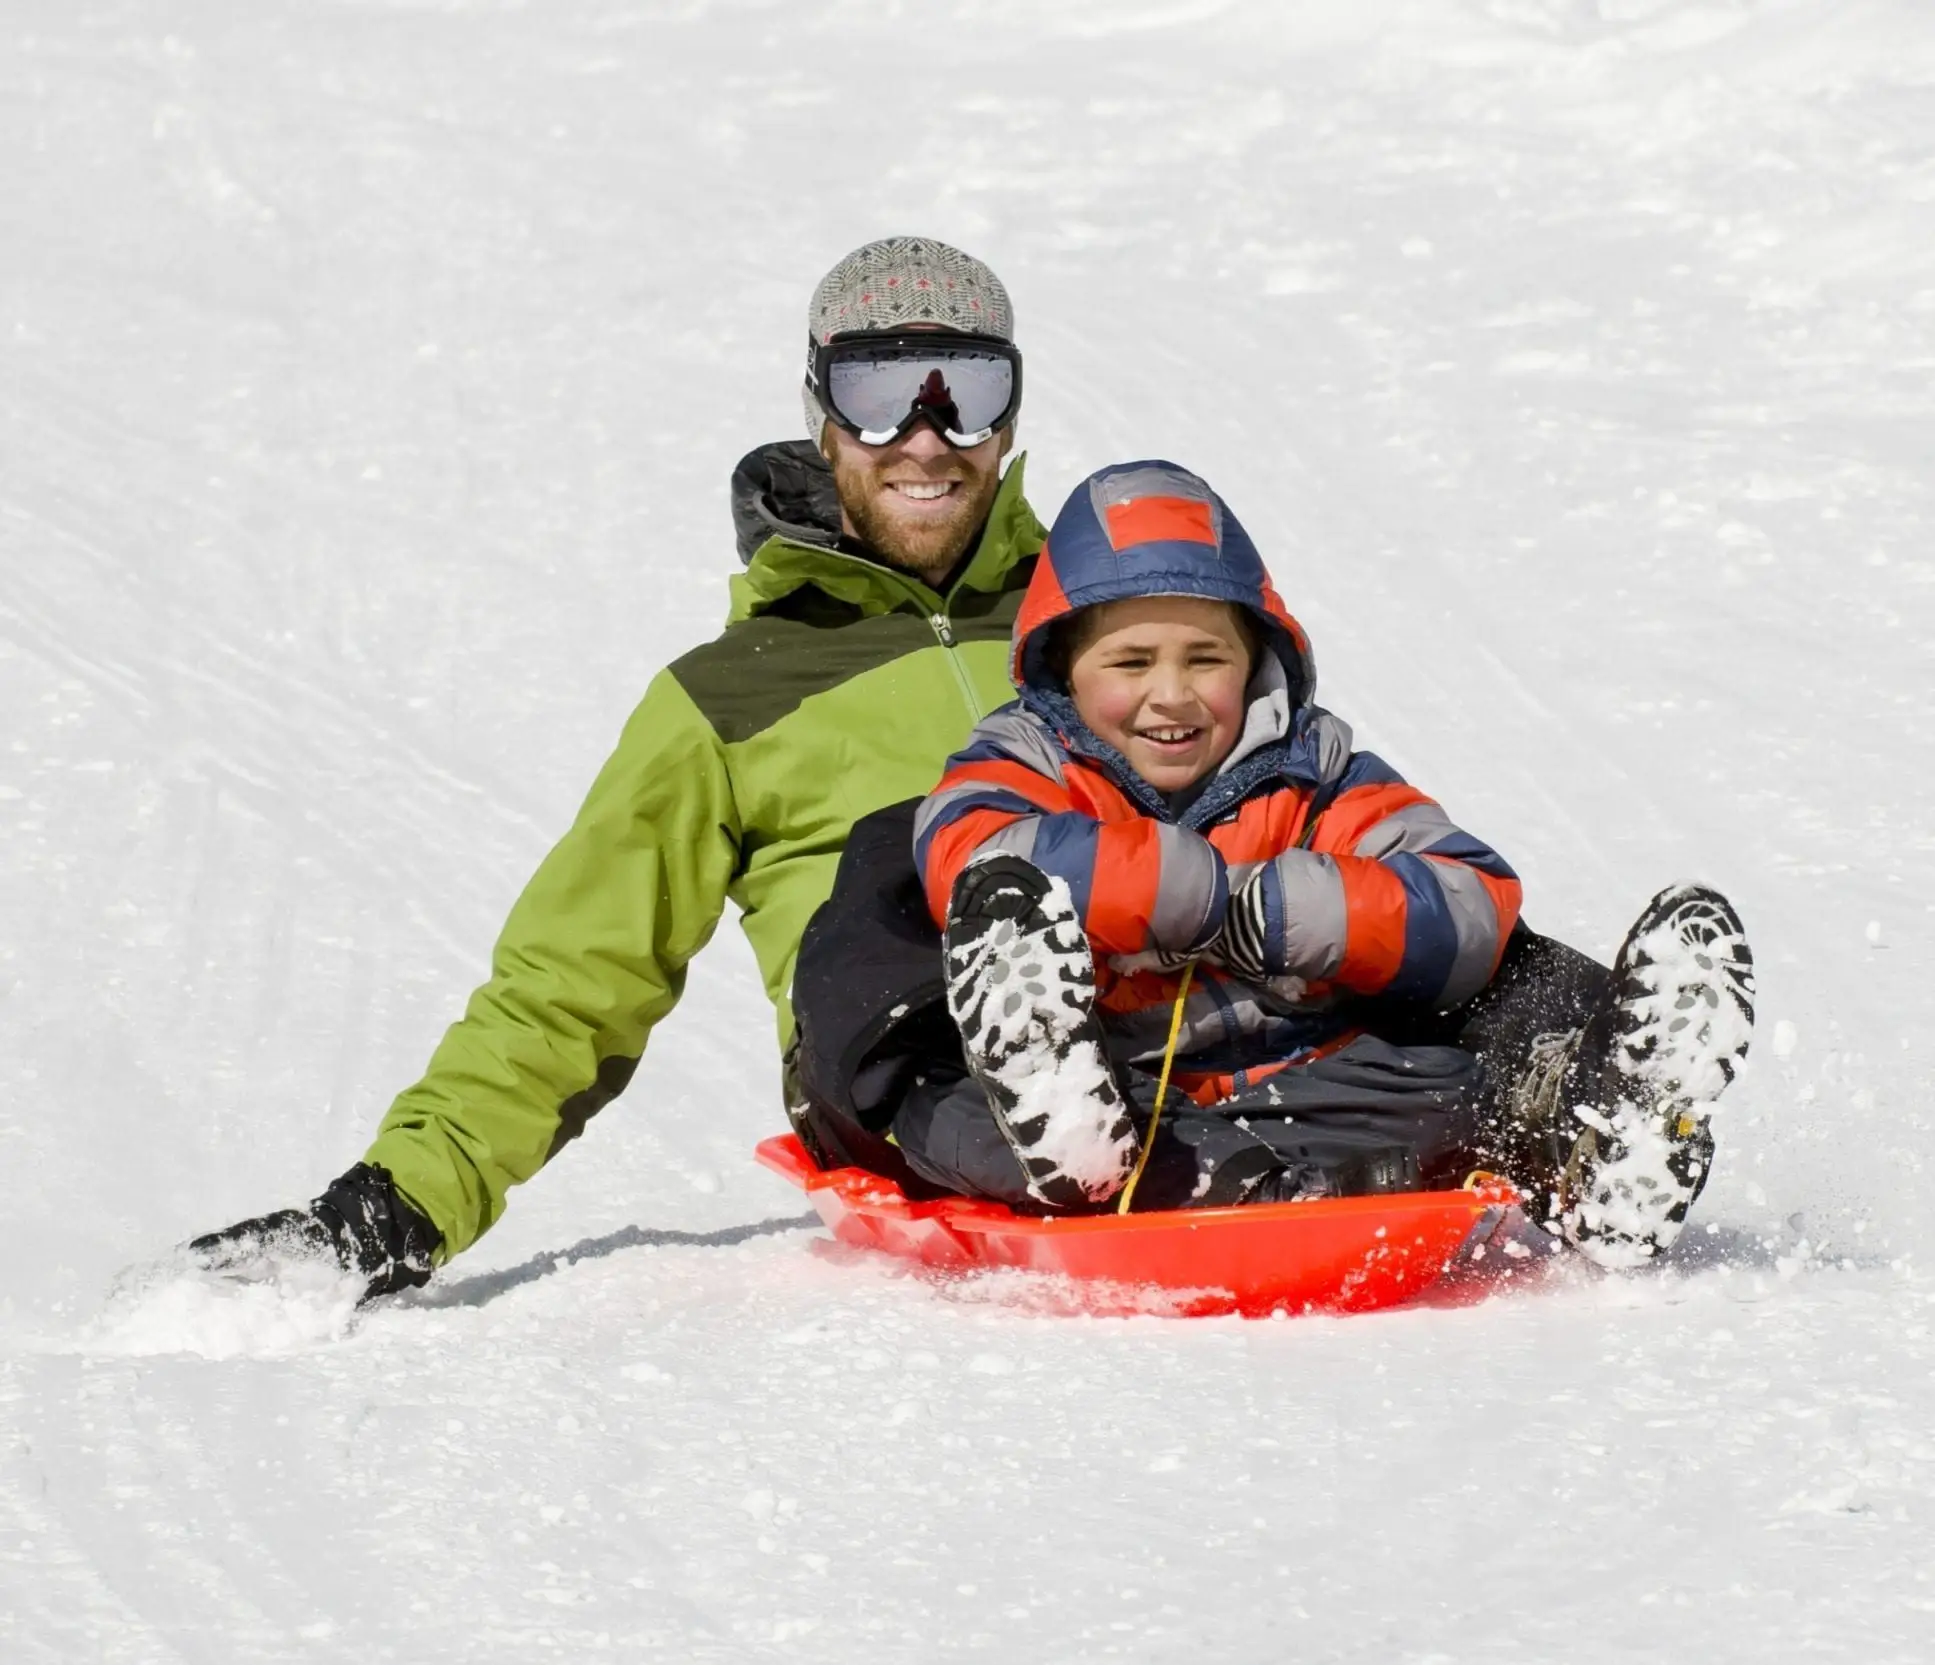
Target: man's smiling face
pixel 917 503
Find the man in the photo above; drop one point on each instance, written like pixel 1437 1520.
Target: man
pixel 885 563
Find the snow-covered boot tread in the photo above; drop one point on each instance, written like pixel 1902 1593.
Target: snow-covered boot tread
pixel 1685 981
pixel 1680 1023
pixel 1021 988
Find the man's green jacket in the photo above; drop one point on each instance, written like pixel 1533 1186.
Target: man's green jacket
pixel 837 687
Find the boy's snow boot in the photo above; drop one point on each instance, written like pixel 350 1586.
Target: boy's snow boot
pixel 1633 1089
pixel 1021 987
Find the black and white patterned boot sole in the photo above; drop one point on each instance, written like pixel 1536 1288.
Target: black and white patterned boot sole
pixel 1684 987
pixel 1021 988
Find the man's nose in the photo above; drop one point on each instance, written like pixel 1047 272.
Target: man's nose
pixel 922 444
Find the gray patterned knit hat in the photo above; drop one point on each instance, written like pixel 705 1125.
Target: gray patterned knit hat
pixel 899 281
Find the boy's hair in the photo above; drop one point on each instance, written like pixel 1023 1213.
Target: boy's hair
pixel 1067 637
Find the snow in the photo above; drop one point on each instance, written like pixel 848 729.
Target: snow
pixel 167 1307
pixel 369 378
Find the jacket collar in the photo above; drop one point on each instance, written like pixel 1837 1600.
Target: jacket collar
pixel 1267 718
pixel 785 562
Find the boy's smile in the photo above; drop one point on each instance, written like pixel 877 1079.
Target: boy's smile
pixel 1161 679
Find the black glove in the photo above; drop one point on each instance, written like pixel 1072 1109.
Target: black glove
pixel 1240 945
pixel 360 1222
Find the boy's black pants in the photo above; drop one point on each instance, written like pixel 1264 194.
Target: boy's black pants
pixel 877 1053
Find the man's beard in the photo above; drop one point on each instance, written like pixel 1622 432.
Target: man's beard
pixel 931 548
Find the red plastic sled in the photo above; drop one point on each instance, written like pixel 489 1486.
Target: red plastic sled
pixel 1353 1254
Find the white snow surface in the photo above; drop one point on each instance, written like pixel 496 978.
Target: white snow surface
pixel 370 372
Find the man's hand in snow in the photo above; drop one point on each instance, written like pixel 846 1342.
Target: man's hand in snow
pixel 361 1223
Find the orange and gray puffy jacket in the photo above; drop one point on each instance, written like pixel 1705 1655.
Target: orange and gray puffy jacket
pixel 1370 894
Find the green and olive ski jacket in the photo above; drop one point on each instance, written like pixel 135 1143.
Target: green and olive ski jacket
pixel 837 687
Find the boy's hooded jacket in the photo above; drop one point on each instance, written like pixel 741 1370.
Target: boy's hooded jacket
pixel 1368 888
pixel 838 686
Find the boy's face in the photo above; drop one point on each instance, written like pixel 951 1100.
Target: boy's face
pixel 1161 678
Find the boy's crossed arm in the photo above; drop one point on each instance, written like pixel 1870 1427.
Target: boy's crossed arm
pixel 1384 896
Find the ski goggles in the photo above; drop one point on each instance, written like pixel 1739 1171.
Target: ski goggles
pixel 877 386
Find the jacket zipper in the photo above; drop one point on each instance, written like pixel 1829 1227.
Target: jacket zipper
pixel 943 630
pixel 944 634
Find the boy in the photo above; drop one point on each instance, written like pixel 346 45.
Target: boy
pixel 1164 848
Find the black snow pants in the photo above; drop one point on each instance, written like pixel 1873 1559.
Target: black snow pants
pixel 876 1078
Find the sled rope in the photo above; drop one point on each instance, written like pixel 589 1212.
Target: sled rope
pixel 1162 1087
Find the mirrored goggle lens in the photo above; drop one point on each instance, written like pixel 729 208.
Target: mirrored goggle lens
pixel 881 394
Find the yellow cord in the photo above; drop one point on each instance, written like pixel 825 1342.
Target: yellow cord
pixel 1162 1088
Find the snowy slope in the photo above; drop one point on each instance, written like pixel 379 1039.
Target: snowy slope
pixel 369 376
